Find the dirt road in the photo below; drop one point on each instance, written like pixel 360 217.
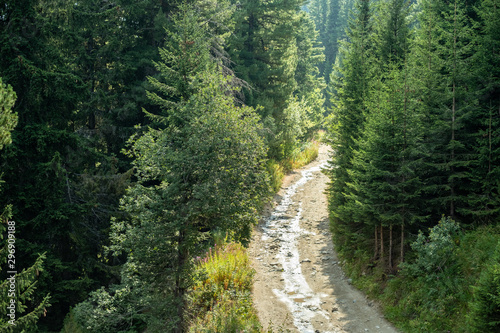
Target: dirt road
pixel 299 284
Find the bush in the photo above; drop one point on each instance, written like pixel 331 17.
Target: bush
pixel 276 173
pixel 436 252
pixel 485 307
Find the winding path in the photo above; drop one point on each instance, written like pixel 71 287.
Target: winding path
pixel 299 284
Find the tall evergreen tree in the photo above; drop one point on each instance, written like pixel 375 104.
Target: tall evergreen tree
pixel 483 202
pixel 199 169
pixel 349 110
pixel 61 182
pixel 443 67
pixel 267 49
pixel 17 314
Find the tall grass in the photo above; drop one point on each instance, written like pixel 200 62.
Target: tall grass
pixel 300 157
pixel 221 299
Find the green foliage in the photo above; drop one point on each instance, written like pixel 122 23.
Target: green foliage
pixel 231 313
pixel 275 53
pixel 8 120
pixel 19 287
pixel 429 294
pixel 276 173
pixel 28 309
pixel 199 171
pixel 79 70
pixel 485 307
pixel 119 309
pixel 437 252
pixel 299 157
pixel 220 301
pixel 331 19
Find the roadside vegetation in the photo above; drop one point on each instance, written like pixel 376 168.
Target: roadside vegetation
pixel 450 283
pixel 414 194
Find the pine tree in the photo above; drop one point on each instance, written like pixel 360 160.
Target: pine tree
pixel 332 35
pixel 199 169
pixel 442 65
pixel 266 51
pixel 483 202
pixel 18 288
pixel 310 85
pixel 349 112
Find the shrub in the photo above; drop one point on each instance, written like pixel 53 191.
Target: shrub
pixel 485 307
pixel 436 252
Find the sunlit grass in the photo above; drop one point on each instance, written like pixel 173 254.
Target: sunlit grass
pixel 300 157
pixel 221 298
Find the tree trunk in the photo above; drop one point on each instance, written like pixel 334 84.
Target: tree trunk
pixel 376 243
pixel 382 243
pixel 402 242
pixel 180 289
pixel 453 117
pixel 390 247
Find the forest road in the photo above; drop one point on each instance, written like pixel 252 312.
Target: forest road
pixel 299 284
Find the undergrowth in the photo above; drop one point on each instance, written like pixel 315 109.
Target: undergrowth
pixel 299 158
pixel 221 297
pixel 450 283
pixel 220 301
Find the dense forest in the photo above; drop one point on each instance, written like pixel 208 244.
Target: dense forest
pixel 144 128
pixel 415 106
pixel 136 135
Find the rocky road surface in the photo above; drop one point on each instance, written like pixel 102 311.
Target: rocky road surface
pixel 299 284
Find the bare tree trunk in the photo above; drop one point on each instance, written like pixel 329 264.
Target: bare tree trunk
pixel 376 243
pixel 453 117
pixel 390 247
pixel 381 243
pixel 402 242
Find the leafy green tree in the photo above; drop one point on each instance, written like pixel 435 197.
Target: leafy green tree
pixel 437 252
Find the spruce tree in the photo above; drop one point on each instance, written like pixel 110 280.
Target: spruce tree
pixel 483 201
pixel 349 111
pixel 199 168
pixel 18 288
pixel 266 50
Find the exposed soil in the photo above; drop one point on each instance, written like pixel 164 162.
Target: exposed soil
pixel 299 284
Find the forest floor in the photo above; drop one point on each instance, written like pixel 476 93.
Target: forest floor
pixel 299 284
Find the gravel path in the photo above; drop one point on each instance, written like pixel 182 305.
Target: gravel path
pixel 299 284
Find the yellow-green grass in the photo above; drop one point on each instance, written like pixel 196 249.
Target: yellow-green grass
pixel 221 301
pixel 301 157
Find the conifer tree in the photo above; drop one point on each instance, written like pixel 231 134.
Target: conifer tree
pixel 349 111
pixel 18 288
pixel 483 202
pixel 442 65
pixel 266 48
pixel 199 169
